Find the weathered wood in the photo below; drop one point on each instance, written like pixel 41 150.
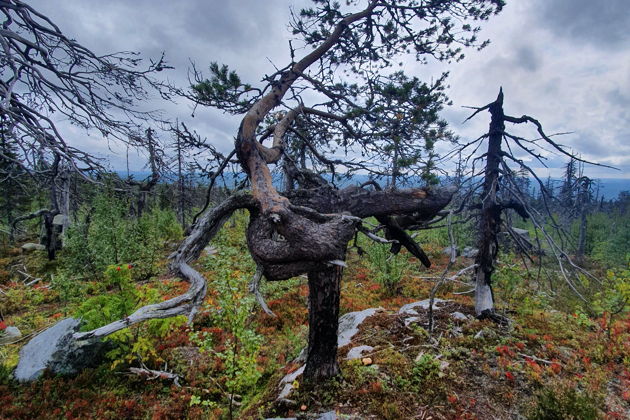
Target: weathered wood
pixel 151 374
pixel 490 220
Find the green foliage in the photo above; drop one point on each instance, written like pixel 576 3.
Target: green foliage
pixel 565 404
pixel 509 277
pixel 5 373
pixel 240 351
pixel 139 342
pixel 106 234
pixel 105 308
pixel 463 234
pixel 615 293
pixel 70 290
pixel 224 89
pixel 21 298
pixel 389 268
pixel 607 237
pixel 424 371
pixel 426 368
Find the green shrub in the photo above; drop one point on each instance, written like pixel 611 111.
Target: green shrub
pixel 425 369
pixel 5 374
pixel 108 307
pixel 565 404
pixel 106 234
pixel 69 288
pixel 389 268
pixel 241 349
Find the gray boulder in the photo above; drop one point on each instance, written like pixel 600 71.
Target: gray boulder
pixel 447 251
pixel 9 335
pixel 458 316
pixel 348 327
pixel 60 219
pixel 30 247
pixel 470 252
pixel 55 349
pixel 286 384
pixel 516 239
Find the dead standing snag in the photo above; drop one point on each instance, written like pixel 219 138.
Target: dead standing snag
pixel 498 175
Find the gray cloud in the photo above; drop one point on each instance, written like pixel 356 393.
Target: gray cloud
pixel 527 58
pixel 564 62
pixel 601 23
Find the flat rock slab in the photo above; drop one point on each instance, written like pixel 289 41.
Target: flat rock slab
pixel 357 352
pixel 287 382
pixel 349 325
pixel 459 316
pixel 410 308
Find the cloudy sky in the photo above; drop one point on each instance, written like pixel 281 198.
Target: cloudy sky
pixel 564 62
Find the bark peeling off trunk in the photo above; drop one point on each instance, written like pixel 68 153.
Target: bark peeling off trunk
pixel 484 302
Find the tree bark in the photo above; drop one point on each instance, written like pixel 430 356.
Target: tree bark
pixel 490 221
pixel 323 319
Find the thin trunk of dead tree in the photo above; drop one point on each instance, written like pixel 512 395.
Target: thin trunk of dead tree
pixel 181 199
pixel 584 185
pixel 490 220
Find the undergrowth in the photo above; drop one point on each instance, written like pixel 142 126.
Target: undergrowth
pixel 561 358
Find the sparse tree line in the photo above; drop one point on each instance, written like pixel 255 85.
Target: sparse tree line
pixel 368 119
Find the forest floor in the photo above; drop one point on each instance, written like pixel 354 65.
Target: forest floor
pixel 552 360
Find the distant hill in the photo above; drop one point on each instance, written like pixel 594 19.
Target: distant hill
pixel 608 187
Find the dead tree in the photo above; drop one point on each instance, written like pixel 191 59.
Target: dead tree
pixel 584 184
pixel 156 165
pixel 204 159
pixel 498 175
pixel 47 76
pixel 55 177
